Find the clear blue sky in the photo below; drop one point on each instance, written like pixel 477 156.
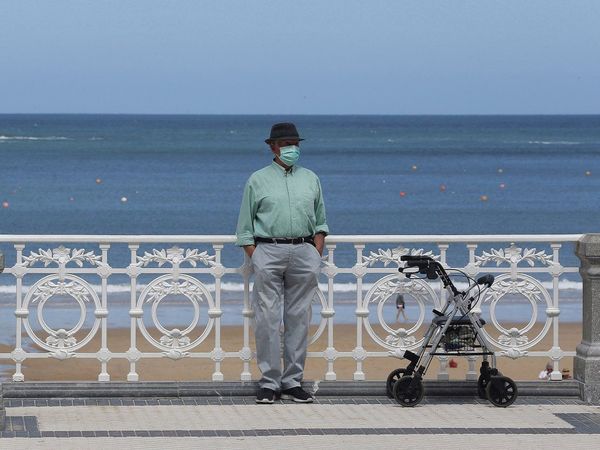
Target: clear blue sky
pixel 300 56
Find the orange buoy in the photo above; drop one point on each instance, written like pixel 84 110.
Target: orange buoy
pixel 442 187
pixel 483 198
pixel 402 194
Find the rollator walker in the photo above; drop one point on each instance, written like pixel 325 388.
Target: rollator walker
pixel 454 331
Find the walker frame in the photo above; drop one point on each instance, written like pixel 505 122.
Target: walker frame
pixel 454 331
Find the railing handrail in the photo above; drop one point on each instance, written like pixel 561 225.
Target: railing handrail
pixel 331 239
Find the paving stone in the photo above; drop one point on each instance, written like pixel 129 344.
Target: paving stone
pixel 235 418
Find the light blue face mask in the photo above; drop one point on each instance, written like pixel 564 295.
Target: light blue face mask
pixel 289 155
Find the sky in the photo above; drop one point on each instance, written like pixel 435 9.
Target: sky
pixel 300 56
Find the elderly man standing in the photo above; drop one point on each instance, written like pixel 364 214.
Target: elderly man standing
pixel 282 228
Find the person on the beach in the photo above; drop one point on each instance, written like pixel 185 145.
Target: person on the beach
pixel 545 374
pixel 400 306
pixel 282 228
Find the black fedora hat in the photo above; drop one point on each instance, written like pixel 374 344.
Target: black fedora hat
pixel 281 131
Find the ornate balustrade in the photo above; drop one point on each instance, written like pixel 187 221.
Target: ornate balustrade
pixel 80 270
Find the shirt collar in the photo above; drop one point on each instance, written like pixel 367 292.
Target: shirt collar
pixel 290 170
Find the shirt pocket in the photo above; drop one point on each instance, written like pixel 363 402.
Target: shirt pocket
pixel 306 200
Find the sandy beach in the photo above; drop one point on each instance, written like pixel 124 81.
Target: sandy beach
pixel 187 369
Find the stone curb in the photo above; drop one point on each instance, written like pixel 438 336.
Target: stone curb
pixel 10 390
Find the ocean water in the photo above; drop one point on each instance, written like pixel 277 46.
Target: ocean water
pixel 185 174
pixel 67 174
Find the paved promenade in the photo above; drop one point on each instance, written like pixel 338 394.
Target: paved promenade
pixel 349 423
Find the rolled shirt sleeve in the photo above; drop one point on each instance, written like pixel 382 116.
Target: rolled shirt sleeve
pixel 320 216
pixel 245 226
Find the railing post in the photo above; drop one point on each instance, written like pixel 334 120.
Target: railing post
pixel 248 315
pixel 586 365
pixel 19 354
pixel 359 272
pixel 218 354
pixel 104 353
pixel 133 354
pixel 2 411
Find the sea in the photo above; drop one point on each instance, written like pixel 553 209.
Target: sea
pixel 381 175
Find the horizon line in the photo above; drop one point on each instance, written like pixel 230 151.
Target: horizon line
pixel 287 114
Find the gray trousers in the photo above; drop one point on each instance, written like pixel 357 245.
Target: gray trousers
pixel 285 281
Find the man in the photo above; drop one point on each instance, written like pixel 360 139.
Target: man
pixel 282 228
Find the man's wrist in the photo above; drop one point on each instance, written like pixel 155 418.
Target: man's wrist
pixel 249 249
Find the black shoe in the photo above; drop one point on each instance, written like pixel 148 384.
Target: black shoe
pixel 265 395
pixel 297 394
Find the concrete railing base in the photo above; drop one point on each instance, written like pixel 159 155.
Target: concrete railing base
pixel 586 364
pixel 588 374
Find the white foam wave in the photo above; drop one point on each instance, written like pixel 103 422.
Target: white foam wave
pixel 34 138
pixel 554 142
pixel 239 287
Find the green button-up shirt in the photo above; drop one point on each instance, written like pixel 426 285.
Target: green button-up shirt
pixel 281 204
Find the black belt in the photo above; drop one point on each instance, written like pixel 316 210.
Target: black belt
pixel 294 241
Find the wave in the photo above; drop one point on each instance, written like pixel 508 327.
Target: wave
pixel 337 287
pixel 34 138
pixel 555 142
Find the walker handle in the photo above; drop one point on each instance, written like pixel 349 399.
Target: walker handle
pixel 486 279
pixel 416 258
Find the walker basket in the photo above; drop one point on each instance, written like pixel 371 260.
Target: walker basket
pixel 459 338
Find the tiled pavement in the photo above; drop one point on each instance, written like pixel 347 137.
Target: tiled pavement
pixel 236 422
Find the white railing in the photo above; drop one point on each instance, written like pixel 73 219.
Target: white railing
pixel 79 269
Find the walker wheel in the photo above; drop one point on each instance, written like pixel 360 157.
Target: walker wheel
pixel 482 383
pixel 394 376
pixel 501 391
pixel 486 373
pixel 408 391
